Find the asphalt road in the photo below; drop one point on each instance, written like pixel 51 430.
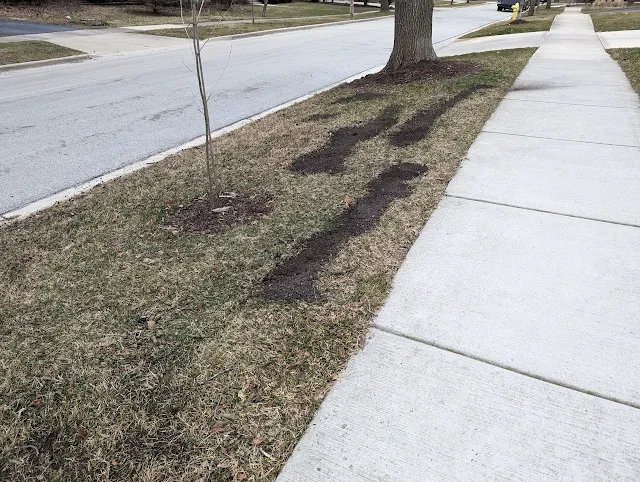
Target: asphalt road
pixel 11 27
pixel 63 125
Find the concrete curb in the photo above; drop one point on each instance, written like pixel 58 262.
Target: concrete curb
pixel 43 63
pixel 72 192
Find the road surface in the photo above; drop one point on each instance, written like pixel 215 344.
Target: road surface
pixel 13 27
pixel 64 125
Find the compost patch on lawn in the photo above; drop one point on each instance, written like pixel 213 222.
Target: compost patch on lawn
pixel 322 116
pixel 330 158
pixel 294 278
pixel 421 72
pixel 419 126
pixel 231 210
pixel 359 96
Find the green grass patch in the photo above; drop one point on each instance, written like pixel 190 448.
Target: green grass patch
pixel 540 22
pixel 629 61
pixel 129 351
pixel 222 29
pixel 613 21
pixel 29 51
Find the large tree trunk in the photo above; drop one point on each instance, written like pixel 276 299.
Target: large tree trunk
pixel 384 5
pixel 532 8
pixel 412 39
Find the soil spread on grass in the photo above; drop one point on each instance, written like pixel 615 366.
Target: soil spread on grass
pixel 517 22
pixel 421 72
pixel 231 210
pixel 360 96
pixel 419 126
pixel 294 278
pixel 330 158
pixel 322 116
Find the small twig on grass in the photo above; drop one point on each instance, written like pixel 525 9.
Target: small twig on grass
pixel 217 375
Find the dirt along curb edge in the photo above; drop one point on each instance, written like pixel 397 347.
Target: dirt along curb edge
pixel 72 192
pixel 43 63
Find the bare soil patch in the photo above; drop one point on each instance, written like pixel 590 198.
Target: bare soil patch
pixel 330 158
pixel 294 279
pixel 321 116
pixel 360 96
pixel 422 72
pixel 419 126
pixel 517 21
pixel 200 217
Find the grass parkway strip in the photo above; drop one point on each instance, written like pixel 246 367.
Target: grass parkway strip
pixel 29 51
pixel 629 61
pixel 134 349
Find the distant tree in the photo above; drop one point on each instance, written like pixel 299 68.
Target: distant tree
pixel 532 8
pixel 412 39
pixel 384 5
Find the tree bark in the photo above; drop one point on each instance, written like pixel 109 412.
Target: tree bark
pixel 264 8
pixel 384 5
pixel 412 39
pixel 351 8
pixel 532 8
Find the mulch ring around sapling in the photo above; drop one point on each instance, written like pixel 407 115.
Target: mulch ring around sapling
pixel 230 210
pixel 421 72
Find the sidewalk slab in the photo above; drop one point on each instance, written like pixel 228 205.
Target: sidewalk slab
pixel 573 122
pixel 405 411
pixel 574 178
pixel 623 39
pixel 540 293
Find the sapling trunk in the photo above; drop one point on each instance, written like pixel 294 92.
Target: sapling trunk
pixel 211 170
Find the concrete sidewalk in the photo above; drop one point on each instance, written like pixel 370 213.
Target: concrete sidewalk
pixel 509 347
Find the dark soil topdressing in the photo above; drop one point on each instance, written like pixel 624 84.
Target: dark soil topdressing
pixel 419 126
pixel 421 72
pixel 231 210
pixel 294 278
pixel 330 158
pixel 321 116
pixel 360 96
pixel 517 22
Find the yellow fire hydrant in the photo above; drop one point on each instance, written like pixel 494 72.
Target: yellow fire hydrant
pixel 515 9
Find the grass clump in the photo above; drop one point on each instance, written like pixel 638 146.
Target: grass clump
pixel 129 351
pixel 629 61
pixel 31 50
pixel 540 22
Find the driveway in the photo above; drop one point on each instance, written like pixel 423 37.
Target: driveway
pixel 63 125
pixel 13 27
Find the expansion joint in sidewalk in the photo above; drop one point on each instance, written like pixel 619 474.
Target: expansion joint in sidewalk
pixel 503 366
pixel 466 198
pixel 572 103
pixel 561 139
